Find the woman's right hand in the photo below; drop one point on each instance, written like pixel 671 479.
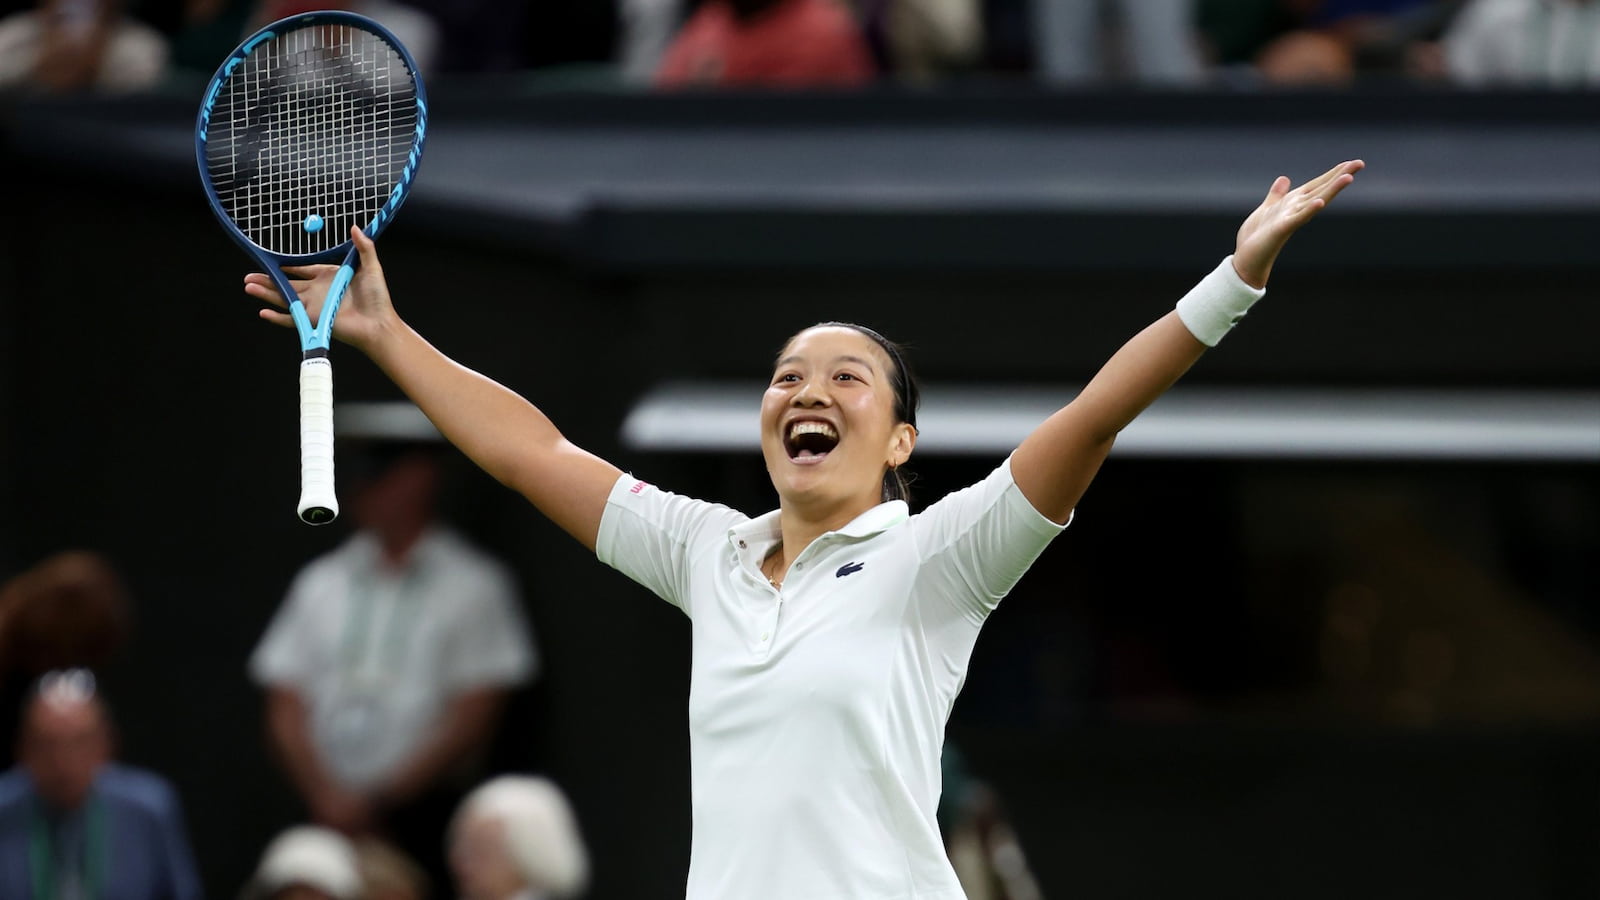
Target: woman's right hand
pixel 365 313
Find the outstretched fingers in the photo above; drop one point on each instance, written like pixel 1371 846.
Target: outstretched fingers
pixel 1333 181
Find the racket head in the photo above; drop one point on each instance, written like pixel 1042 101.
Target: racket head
pixel 313 124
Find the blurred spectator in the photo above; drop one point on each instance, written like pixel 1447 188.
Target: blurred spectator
pixel 767 43
pixel 64 46
pixel 73 824
pixel 980 841
pixel 515 838
pixel 646 27
pixel 1235 31
pixel 441 35
pixel 387 874
pixel 1331 42
pixel 70 610
pixel 415 28
pixel 306 863
pixel 918 39
pixel 1148 41
pixel 203 32
pixel 1545 43
pixel 388 664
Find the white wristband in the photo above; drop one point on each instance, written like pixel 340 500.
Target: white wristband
pixel 1217 303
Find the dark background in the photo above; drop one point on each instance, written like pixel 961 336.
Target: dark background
pixel 1314 678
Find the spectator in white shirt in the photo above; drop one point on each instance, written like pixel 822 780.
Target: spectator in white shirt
pixel 1525 43
pixel 388 665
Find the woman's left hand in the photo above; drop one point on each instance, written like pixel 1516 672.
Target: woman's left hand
pixel 1267 229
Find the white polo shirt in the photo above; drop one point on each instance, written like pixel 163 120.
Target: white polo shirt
pixel 817 713
pixel 377 653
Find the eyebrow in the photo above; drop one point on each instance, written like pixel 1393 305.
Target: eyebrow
pixel 787 360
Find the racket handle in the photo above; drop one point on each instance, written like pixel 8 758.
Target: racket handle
pixel 318 504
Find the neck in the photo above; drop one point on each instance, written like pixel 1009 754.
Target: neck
pixel 59 812
pixel 397 542
pixel 800 525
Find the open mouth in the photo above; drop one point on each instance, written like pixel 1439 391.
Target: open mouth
pixel 810 441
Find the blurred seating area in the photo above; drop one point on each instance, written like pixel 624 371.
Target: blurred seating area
pixel 129 45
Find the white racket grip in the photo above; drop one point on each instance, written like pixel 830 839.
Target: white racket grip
pixel 318 504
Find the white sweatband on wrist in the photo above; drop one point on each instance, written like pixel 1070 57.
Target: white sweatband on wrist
pixel 1217 303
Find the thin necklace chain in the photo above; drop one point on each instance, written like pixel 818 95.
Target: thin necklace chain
pixel 772 556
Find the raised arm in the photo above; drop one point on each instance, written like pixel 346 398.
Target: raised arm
pixel 495 427
pixel 1054 465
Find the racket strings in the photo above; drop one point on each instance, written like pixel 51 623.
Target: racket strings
pixel 309 136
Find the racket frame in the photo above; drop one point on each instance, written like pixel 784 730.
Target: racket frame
pixel 318 503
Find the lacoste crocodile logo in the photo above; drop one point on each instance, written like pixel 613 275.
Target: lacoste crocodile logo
pixel 847 568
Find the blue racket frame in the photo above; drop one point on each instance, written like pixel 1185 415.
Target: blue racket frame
pixel 316 339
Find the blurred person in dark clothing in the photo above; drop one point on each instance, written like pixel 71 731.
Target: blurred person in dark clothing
pixel 388 664
pixel 71 610
pixel 1324 42
pixel 76 826
pixel 441 35
pixel 768 43
pixel 414 27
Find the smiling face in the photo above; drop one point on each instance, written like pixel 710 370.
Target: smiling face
pixel 828 424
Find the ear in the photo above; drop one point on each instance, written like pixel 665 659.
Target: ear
pixel 902 440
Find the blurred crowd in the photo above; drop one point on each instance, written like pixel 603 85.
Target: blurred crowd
pixel 123 45
pixel 384 675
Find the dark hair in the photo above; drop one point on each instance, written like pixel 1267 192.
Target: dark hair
pixel 896 483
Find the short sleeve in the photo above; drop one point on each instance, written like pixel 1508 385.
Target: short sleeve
pixel 492 643
pixel 651 535
pixel 975 544
pixel 284 657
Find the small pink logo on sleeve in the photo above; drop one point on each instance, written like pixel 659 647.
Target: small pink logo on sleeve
pixel 638 487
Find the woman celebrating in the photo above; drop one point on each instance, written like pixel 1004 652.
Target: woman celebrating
pixel 831 636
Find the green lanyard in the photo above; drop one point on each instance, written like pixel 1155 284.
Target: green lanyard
pixel 45 867
pixel 356 642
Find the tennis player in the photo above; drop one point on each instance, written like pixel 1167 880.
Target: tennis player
pixel 831 636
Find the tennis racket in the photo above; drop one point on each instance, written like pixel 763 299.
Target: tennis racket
pixel 313 125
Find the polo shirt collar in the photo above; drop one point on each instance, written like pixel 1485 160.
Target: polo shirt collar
pixel 880 518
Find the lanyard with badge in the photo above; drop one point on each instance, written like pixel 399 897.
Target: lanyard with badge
pixel 373 651
pixel 57 878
